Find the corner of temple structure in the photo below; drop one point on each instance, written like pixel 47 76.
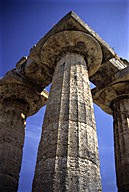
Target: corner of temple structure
pixel 69 56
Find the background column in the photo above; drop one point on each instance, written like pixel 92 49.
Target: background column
pixel 16 103
pixel 12 131
pixel 121 142
pixel 114 99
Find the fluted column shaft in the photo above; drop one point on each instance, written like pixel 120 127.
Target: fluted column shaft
pixel 121 142
pixel 68 151
pixel 12 130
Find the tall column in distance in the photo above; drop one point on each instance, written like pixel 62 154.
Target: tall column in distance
pixel 114 99
pixel 16 103
pixel 68 151
pixel 121 142
pixel 12 131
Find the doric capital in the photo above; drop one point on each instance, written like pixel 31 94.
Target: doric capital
pixel 13 89
pixel 70 34
pixel 72 41
pixel 117 89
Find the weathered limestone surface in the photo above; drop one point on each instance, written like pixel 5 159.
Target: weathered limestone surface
pixel 68 151
pixel 121 142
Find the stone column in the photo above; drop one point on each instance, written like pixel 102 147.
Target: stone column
pixel 68 151
pixel 114 99
pixel 12 131
pixel 121 142
pixel 16 103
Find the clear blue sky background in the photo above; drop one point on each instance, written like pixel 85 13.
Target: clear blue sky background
pixel 23 23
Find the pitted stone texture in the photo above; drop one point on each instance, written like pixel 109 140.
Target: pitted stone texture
pixel 68 151
pixel 12 130
pixel 121 142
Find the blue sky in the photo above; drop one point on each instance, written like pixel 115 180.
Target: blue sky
pixel 23 23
